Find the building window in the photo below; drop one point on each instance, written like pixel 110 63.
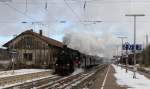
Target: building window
pixel 27 56
pixel 28 41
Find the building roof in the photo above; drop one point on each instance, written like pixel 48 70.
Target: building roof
pixel 42 37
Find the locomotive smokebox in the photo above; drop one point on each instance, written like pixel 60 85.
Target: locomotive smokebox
pixel 66 49
pixel 64 46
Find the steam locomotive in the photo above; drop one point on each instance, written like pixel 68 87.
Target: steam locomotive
pixel 69 59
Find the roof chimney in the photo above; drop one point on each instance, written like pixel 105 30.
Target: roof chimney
pixel 31 30
pixel 41 32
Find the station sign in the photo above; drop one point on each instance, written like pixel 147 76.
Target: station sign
pixel 131 47
pixel 126 46
pixel 137 46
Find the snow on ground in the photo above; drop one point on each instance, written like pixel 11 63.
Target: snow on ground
pixel 4 61
pixel 147 69
pixel 27 81
pixel 77 71
pixel 123 78
pixel 20 72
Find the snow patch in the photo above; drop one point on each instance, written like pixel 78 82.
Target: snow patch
pixel 20 72
pixel 123 78
pixel 4 61
pixel 27 81
pixel 147 69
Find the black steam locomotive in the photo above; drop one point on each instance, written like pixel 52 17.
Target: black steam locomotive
pixel 68 59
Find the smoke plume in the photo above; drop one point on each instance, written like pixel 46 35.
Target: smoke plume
pixel 91 43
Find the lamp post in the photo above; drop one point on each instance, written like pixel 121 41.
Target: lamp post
pixel 117 47
pixel 135 15
pixel 127 48
pixel 146 40
pixel 122 40
pixel 13 58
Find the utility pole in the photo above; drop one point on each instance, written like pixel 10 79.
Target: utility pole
pixel 127 58
pixel 146 40
pixel 122 42
pixel 117 47
pixel 46 5
pixel 84 7
pixel 13 58
pixel 134 15
pixel 146 53
pixel 117 54
pixel 13 55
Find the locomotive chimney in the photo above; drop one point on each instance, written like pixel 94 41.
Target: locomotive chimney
pixel 41 32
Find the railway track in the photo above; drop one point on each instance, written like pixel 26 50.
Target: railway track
pixel 33 83
pixel 57 82
pixel 68 82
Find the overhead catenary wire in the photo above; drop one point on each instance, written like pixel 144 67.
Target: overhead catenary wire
pixel 75 14
pixel 81 1
pixel 68 4
pixel 26 9
pixel 18 11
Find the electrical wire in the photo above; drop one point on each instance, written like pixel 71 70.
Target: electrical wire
pixel 75 14
pixel 82 1
pixel 15 9
pixel 26 9
pixel 67 4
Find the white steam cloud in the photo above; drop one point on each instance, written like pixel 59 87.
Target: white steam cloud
pixel 91 43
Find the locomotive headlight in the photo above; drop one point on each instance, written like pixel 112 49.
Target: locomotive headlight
pixel 67 64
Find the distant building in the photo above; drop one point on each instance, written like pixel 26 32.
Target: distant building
pixel 4 54
pixel 131 59
pixel 34 49
pixel 5 58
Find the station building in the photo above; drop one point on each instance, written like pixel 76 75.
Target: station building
pixel 34 49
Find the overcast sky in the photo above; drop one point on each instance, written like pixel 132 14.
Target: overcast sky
pixel 51 15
